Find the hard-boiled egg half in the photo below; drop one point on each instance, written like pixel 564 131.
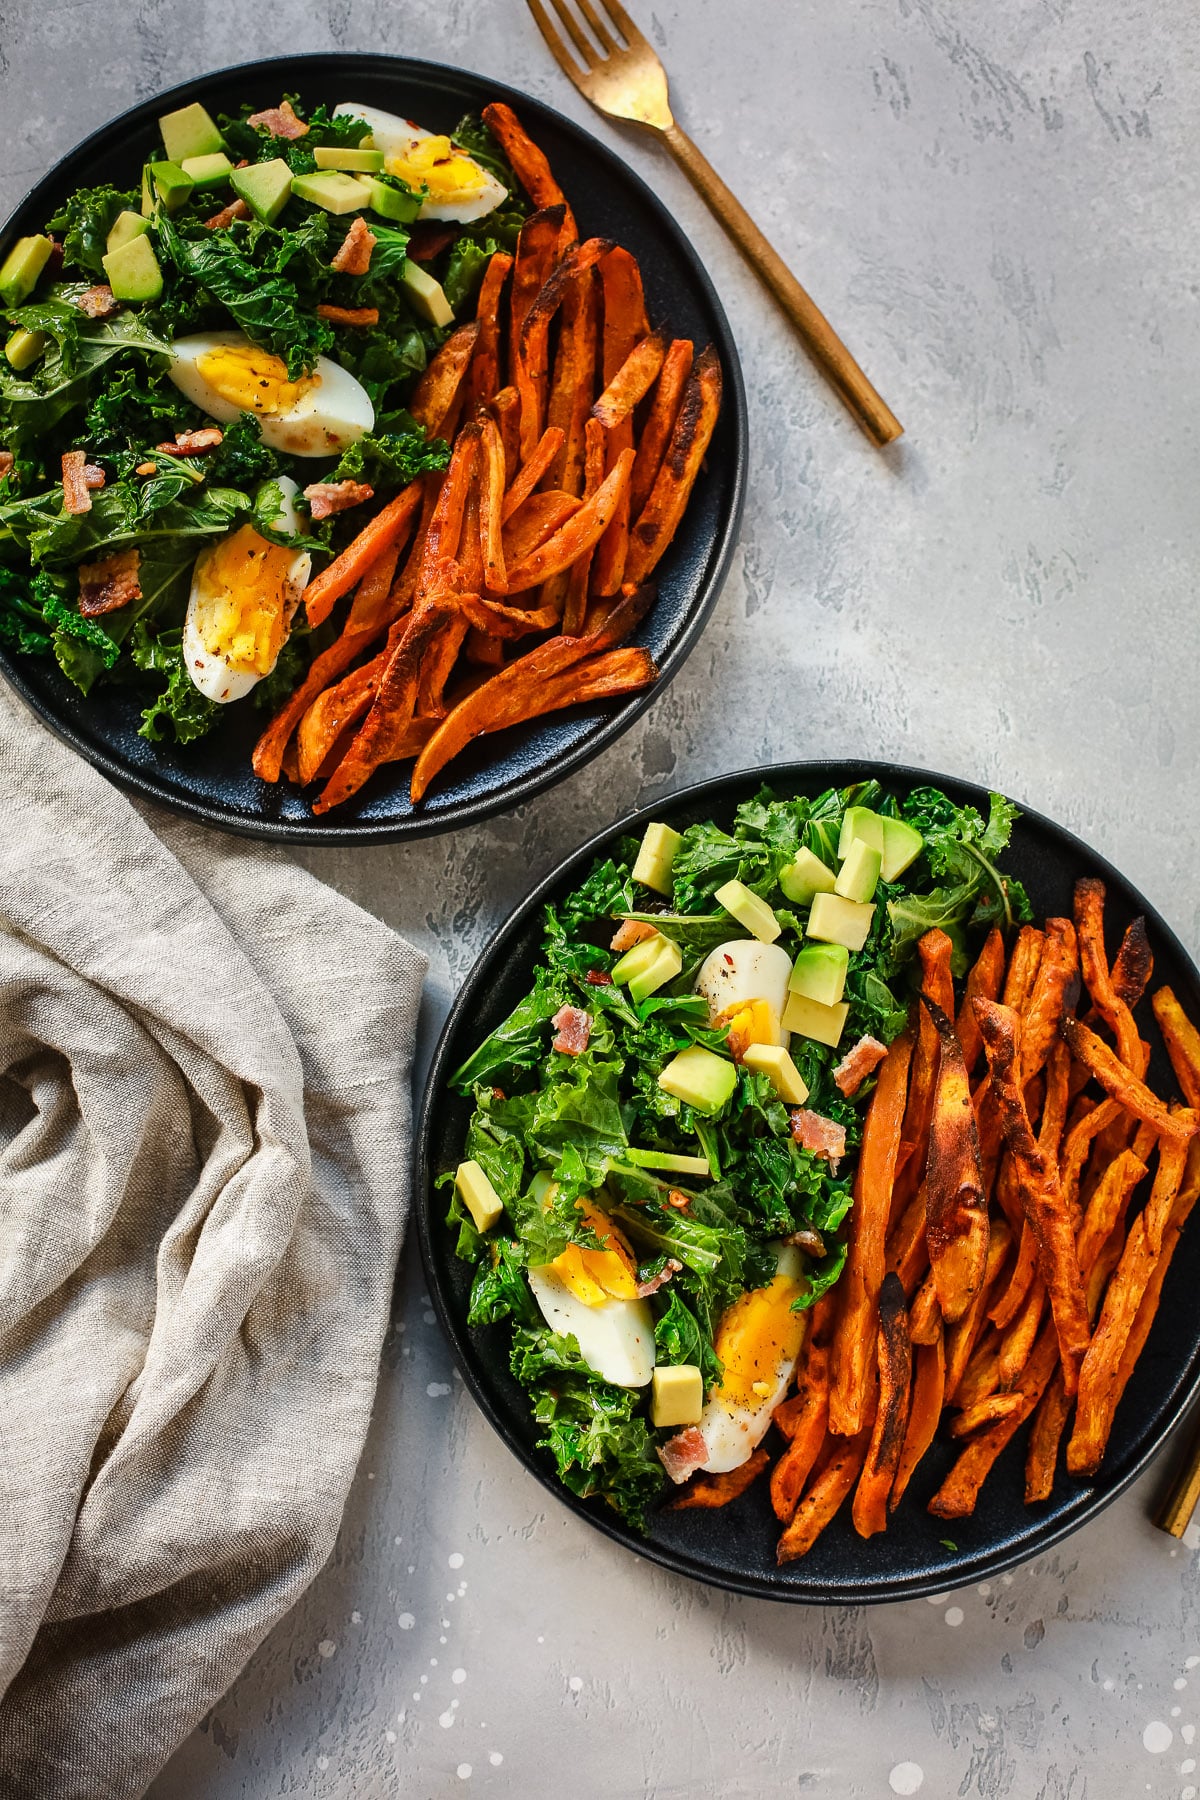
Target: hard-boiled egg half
pixel 758 1341
pixel 457 187
pixel 225 375
pixel 591 1295
pixel 746 983
pixel 244 595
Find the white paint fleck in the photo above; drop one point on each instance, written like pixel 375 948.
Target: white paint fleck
pixel 458 1677
pixel 437 1390
pixel 390 1736
pixel 906 1778
pixel 1192 1662
pixel 984 1588
pixel 1007 1580
pixel 1187 1765
pixel 327 1648
pixel 1158 1737
pixel 464 1771
pixel 397 1540
pixel 954 1615
pixel 455 1559
pixel 1187 1733
pixel 322 1763
pixel 445 1624
pixel 1187 1793
pixel 495 1759
pixel 541 1640
pixel 1180 1683
pixel 1109 1685
pixel 1175 1711
pixel 443 1640
pixel 446 1720
pixel 933 1599
pixel 406 1621
pixel 462 1588
pixel 412 1568
pixel 433 1662
pixel 575 1683
pixel 424 1679
pixel 356 1618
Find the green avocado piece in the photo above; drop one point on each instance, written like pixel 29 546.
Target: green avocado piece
pixel 807 876
pixel 390 202
pixel 207 171
pixel 355 162
pixel 21 268
pixel 638 959
pixel 189 131
pixel 171 186
pixel 266 188
pixel 133 271
pixel 24 347
pixel 332 190
pixel 902 844
pixel 859 874
pixel 700 1078
pixel 665 967
pixel 819 973
pixel 860 822
pixel 125 227
pixel 429 302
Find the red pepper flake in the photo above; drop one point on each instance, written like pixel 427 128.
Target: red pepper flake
pixel 598 978
pixel 728 959
pixel 499 1094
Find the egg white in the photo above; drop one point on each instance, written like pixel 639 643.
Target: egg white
pixel 395 137
pixel 211 673
pixel 616 1339
pixel 332 412
pixel 743 970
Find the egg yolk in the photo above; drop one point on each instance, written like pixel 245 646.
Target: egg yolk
pixel 595 1276
pixel 252 379
pixel 435 164
pixel 243 590
pixel 757 1334
pixel 755 1022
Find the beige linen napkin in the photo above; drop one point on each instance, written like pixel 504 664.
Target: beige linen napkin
pixel 204 1147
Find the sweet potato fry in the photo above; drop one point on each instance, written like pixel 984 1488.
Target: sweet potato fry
pixel 1134 964
pixel 624 326
pixel 347 701
pixel 632 381
pixel 660 517
pixel 538 519
pixel 907 1251
pixel 660 422
pixel 894 1359
pixel 1040 1193
pixel 985 980
pixel 1089 922
pixel 824 1497
pixel 1107 1207
pixel 1054 991
pixel 985 1412
pixel 577 583
pixel 537 253
pixel 388 527
pixel 506 621
pixel 532 470
pixel 372 604
pixel 1022 967
pixel 1019 1339
pixel 531 370
pixel 962 1339
pixel 483 376
pixel 934 950
pixel 1041 1456
pixel 925 1315
pixel 862 1278
pixel 925 1410
pixel 719 1490
pixel 573 380
pixel 267 760
pixel 384 730
pixel 956 1216
pixel 810 1419
pixel 580 532
pixel 956 1497
pixel 1080 1137
pixel 436 399
pixel 1189 1193
pixel 529 164
pixel 1009 1303
pixel 1117 1079
pixel 491 508
pixel 1182 1041
pixel 981 1376
pixel 1054 1106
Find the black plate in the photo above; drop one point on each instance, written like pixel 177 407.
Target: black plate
pixel 735 1547
pixel 212 780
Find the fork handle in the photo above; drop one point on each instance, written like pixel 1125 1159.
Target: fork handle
pixel 821 340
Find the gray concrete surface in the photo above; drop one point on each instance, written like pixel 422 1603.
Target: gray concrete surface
pixel 997 205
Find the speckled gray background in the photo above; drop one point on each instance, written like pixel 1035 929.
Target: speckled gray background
pixel 998 206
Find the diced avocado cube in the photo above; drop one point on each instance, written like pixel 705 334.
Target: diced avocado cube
pixel 355 162
pixel 149 206
pixel 834 920
pixel 749 910
pixel 858 876
pixel 172 188
pixel 23 347
pixel 543 1189
pixel 807 876
pixel 133 271
pixel 478 1195
pixel 819 973
pixel 676 1395
pixel 21 268
pixel 902 844
pixel 860 822
pixel 266 188
pixel 125 227
pixel 656 857
pixel 668 1162
pixel 638 959
pixel 189 131
pixel 808 1018
pixel 699 1077
pixel 335 192
pixel 428 300
pixel 773 1061
pixel 207 171
pixel 391 202
pixel 665 967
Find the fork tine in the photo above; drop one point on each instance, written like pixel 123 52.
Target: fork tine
pixel 558 49
pixel 577 37
pixel 598 26
pixel 622 21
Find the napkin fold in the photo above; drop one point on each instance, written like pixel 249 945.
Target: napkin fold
pixel 204 1148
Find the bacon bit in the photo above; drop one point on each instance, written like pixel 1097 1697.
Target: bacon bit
pixel 237 209
pixel 98 302
pixel 499 1094
pixel 822 1136
pixel 112 583
pixel 574 1028
pixel 858 1063
pixel 808 1240
pixel 93 475
pixel 598 978
pixel 328 497
pixel 7 463
pixel 193 443
pixel 631 932
pixel 354 257
pixel 76 498
pixel 646 1288
pixel 683 1454
pixel 280 121
pixel 349 315
pixel 427 241
pixel 675 1198
pixel 54 261
pixel 147 468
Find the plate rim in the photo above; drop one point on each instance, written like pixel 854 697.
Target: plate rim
pixel 720 555
pixel 975 1565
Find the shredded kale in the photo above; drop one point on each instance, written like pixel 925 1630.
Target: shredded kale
pixel 391 459
pixel 179 709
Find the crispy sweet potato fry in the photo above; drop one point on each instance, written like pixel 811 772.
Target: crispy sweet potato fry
pixel 907 1251
pixel 531 371
pixel 483 376
pixel 1010 1300
pixel 660 422
pixel 956 1217
pixel 573 379
pixel 925 1316
pixel 821 1502
pixel 529 164
pixel 1054 990
pixel 1023 967
pixel 1182 1041
pixel 656 526
pixel 537 253
pixel 532 470
pixel 1041 1456
pixel 894 1359
pixel 577 582
pixel 925 1409
pixel 1089 922
pixel 632 381
pixel 1107 1207
pixel 388 527
pixel 862 1278
pixel 1189 1193
pixel 437 397
pixel 267 760
pixel 1118 1080
pixel 962 1339
pixel 934 951
pixel 985 1412
pixel 506 621
pixel 981 1376
pixel 985 979
pixel 719 1490
pixel 538 519
pixel 624 325
pixel 491 508
pixel 1019 1339
pixel 956 1497
pixel 385 727
pixel 810 1419
pixel 580 532
pixel 1133 965
pixel 372 604
pixel 347 701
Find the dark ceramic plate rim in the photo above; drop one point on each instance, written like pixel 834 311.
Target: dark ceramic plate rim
pixel 612 726
pixel 800 777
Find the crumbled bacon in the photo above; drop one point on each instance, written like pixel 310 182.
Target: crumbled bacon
pixel 98 302
pixel 280 121
pixel 146 468
pixel 646 1288
pixel 7 463
pixel 678 1200
pixel 328 497
pixel 107 585
pixel 822 1136
pixel 76 498
pixel 629 933
pixel 427 241
pixel 683 1454
pixel 237 209
pixel 574 1027
pixel 349 315
pixel 193 443
pixel 354 256
pixel 93 476
pixel 54 261
pixel 858 1063
pixel 598 978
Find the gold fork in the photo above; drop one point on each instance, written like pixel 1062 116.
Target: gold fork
pixel 627 81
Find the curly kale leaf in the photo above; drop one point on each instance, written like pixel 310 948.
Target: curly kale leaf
pixel 180 710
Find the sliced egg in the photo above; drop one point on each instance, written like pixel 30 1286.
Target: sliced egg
pixel 597 1275
pixel 244 595
pixel 758 1341
pixel 746 983
pixel 457 187
pixel 615 1337
pixel 224 374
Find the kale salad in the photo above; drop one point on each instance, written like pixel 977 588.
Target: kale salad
pixel 203 374
pixel 659 1164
